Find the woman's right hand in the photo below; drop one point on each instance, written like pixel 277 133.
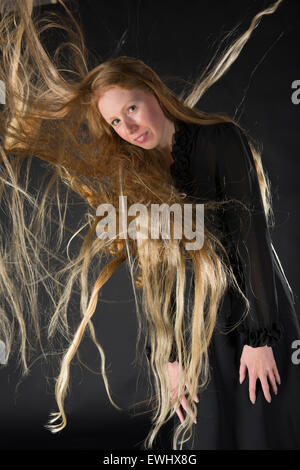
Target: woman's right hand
pixel 173 371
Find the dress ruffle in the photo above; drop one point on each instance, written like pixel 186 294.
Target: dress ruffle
pixel 181 150
pixel 261 336
pixel 254 338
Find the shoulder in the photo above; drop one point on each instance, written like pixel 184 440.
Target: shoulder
pixel 222 143
pixel 207 149
pixel 189 137
pixel 218 133
pixel 195 137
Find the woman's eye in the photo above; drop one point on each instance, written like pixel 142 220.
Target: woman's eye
pixel 133 106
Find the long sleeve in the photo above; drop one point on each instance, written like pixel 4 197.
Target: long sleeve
pixel 249 234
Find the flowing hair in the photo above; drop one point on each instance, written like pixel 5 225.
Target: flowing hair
pixel 51 114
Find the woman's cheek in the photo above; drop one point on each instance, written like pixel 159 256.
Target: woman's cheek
pixel 146 117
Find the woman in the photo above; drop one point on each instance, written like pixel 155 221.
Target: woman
pixel 89 129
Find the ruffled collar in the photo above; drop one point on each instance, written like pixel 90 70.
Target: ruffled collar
pixel 181 151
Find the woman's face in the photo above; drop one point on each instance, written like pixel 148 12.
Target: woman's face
pixel 133 113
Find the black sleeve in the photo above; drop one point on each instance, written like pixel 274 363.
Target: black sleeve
pixel 249 234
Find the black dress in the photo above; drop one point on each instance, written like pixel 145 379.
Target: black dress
pixel 215 162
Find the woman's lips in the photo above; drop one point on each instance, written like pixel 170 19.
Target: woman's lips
pixel 144 137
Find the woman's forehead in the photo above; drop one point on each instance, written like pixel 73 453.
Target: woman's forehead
pixel 115 98
pixel 119 92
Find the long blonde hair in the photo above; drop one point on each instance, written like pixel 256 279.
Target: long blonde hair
pixel 51 113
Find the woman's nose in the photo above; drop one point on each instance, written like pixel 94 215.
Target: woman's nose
pixel 131 127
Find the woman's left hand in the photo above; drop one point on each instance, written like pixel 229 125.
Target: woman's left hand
pixel 261 365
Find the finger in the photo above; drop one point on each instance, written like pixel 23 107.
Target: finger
pixel 183 402
pixel 272 380
pixel 179 410
pixel 252 388
pixel 196 398
pixel 242 373
pixel 276 373
pixel 265 386
pixel 179 413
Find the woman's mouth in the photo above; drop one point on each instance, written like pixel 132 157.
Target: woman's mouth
pixel 143 137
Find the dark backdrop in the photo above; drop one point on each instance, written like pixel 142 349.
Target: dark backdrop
pixel 177 39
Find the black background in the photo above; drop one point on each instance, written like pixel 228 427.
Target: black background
pixel 177 39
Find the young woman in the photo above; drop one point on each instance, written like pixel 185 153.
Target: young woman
pixel 114 131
